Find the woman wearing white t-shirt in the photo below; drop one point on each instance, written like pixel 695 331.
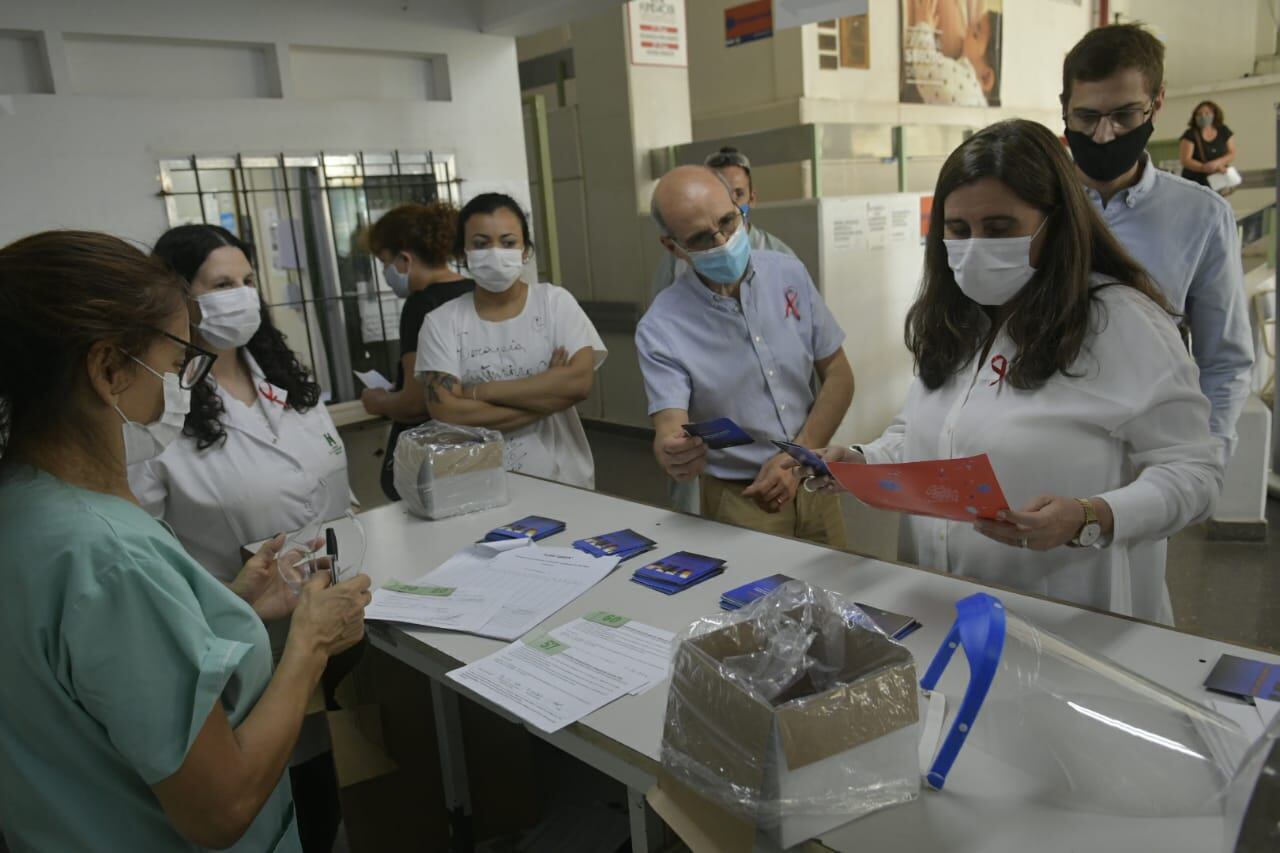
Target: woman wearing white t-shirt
pixel 1038 341
pixel 512 356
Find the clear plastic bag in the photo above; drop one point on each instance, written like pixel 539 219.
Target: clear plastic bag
pixel 795 713
pixel 443 470
pixel 1060 725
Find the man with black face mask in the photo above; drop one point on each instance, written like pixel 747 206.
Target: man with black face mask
pixel 1183 233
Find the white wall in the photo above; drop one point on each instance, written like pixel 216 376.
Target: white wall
pixel 1250 109
pixel 90 161
pixel 1204 42
pixel 747 87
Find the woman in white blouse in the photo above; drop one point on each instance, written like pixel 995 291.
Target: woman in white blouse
pixel 1038 341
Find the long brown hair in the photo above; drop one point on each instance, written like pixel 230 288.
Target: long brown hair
pixel 1049 318
pixel 60 293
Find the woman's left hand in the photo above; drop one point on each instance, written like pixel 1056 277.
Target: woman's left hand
pixel 1046 523
pixel 260 584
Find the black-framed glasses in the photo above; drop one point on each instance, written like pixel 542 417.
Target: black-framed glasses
pixel 1122 120
pixel 196 362
pixel 704 240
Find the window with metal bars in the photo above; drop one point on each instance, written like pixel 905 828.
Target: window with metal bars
pixel 304 215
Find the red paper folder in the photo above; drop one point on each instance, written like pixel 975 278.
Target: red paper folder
pixel 958 489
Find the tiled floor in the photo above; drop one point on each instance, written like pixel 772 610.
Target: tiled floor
pixel 1228 591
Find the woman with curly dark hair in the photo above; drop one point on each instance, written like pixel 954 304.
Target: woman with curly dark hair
pixel 414 244
pixel 258 455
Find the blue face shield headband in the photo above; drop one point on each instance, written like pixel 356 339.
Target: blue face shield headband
pixel 979 628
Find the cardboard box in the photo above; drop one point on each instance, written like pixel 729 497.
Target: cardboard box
pixel 808 761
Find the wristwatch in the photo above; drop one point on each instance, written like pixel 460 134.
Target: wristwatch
pixel 1091 530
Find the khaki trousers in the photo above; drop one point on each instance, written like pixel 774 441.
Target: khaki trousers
pixel 812 516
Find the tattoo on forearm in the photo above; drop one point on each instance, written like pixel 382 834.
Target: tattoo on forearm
pixel 434 380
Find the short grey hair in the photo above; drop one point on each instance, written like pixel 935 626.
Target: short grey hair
pixel 656 213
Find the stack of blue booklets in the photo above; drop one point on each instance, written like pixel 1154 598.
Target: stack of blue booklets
pixel 894 625
pixel 533 527
pixel 677 572
pixel 623 544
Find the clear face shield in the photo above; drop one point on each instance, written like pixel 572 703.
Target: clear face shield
pixel 323 546
pixel 1060 725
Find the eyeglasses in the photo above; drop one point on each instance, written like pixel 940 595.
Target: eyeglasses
pixel 704 240
pixel 196 362
pixel 1122 120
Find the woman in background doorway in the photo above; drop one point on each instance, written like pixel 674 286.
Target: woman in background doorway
pixel 512 356
pixel 414 244
pixel 258 455
pixel 1208 146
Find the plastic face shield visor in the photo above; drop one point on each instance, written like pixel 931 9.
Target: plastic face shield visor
pixel 1052 722
pixel 337 546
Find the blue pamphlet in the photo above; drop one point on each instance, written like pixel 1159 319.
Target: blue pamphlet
pixel 533 527
pixel 720 433
pixel 809 458
pixel 672 588
pixel 677 571
pixel 623 544
pixel 1244 678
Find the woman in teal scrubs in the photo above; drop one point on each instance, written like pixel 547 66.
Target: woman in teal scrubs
pixel 138 709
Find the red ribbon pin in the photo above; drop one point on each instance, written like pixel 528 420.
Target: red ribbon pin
pixel 1000 365
pixel 270 393
pixel 792 310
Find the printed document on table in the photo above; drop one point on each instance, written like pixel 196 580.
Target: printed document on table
pixel 624 645
pixel 538 580
pixel 454 608
pixel 546 682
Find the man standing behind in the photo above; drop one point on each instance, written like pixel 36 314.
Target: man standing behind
pixel 1184 234
pixel 740 334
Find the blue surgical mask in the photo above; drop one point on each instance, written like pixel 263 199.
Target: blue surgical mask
pixel 396 280
pixel 746 210
pixel 724 264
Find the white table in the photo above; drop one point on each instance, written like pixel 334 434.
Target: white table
pixel 623 738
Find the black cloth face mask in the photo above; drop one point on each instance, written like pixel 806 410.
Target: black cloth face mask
pixel 1106 161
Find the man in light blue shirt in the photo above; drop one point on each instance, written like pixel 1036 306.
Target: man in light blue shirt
pixel 735 168
pixel 1183 233
pixel 740 334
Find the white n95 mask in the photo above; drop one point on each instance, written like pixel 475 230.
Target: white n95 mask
pixel 495 269
pixel 229 318
pixel 991 271
pixel 147 441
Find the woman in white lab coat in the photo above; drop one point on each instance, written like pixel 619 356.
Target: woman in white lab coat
pixel 1038 341
pixel 259 455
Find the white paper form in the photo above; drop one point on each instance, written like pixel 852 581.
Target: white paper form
pixel 622 644
pixel 539 580
pixel 374 379
pixel 457 609
pixel 545 682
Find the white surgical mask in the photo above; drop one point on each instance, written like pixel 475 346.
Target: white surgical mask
pixel 230 317
pixel 991 271
pixel 396 280
pixel 147 441
pixel 495 269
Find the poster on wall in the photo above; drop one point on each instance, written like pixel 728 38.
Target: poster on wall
pixel 657 33
pixel 748 22
pixel 951 52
